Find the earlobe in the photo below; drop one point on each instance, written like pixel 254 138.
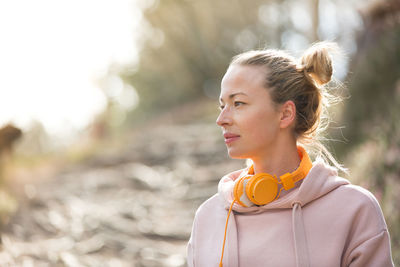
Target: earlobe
pixel 288 114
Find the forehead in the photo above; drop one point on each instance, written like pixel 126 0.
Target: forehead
pixel 246 79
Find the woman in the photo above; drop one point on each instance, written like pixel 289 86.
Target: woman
pixel 284 210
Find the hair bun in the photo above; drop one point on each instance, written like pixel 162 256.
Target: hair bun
pixel 317 63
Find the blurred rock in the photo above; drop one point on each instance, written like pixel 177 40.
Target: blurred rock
pixel 8 135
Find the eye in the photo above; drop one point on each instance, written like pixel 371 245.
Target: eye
pixel 238 103
pixel 221 107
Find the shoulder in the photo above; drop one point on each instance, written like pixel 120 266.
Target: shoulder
pixel 361 204
pixel 211 205
pixel 209 216
pixel 358 195
pixel 367 234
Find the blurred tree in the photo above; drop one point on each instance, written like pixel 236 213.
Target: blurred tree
pixel 191 43
pixel 9 135
pixel 315 19
pixel 374 82
pixel 372 114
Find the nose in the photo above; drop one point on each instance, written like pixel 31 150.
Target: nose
pixel 224 118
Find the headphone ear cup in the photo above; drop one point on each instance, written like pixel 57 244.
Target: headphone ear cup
pixel 239 192
pixel 262 189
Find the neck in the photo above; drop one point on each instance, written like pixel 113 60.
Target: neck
pixel 278 161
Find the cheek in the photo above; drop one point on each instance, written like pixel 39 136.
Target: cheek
pixel 263 125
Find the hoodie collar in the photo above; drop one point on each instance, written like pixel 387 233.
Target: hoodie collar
pixel 320 180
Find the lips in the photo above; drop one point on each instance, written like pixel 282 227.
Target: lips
pixel 230 137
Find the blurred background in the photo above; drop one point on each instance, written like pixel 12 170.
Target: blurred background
pixel 108 141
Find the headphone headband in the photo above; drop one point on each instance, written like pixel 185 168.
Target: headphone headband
pixel 289 179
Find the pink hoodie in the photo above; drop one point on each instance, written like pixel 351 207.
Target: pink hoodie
pixel 324 221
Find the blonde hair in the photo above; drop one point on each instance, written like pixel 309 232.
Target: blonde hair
pixel 301 81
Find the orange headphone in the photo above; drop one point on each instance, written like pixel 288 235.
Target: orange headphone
pixel 262 188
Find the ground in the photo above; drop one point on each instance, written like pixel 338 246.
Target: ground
pixel 130 207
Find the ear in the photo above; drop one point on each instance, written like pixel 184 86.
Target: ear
pixel 288 114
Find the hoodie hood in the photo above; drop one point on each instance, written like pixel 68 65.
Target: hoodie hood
pixel 320 180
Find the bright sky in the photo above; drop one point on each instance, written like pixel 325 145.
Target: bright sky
pixel 52 51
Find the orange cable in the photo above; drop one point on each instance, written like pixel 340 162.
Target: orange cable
pixel 226 227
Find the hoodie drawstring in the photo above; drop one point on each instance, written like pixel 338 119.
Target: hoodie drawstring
pixel 299 235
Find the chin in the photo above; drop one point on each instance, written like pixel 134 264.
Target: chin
pixel 235 154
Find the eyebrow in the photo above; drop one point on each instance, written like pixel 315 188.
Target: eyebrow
pixel 233 95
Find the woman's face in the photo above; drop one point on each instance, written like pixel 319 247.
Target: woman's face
pixel 249 119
